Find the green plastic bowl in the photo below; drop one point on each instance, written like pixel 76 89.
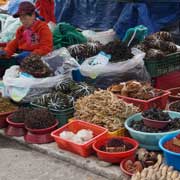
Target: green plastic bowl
pixel 148 140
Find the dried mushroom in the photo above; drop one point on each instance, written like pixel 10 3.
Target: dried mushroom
pixel 158 45
pixel 35 66
pixel 135 89
pixel 105 109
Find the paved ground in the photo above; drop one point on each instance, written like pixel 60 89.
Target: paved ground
pixel 21 163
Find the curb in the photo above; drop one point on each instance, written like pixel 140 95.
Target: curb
pixel 91 163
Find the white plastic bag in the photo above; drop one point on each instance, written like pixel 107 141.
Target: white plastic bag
pixel 18 87
pixel 103 37
pixel 60 61
pixel 91 71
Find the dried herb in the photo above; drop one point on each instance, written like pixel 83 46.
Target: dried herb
pixel 139 126
pixel 39 119
pixel 6 105
pixel 19 116
pixel 156 114
pixel 118 50
pixel 105 109
pixel 35 66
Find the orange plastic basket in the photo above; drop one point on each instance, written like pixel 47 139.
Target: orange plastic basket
pixel 74 126
pixel 158 102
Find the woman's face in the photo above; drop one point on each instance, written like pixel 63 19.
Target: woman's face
pixel 27 20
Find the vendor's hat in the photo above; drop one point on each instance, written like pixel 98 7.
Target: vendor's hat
pixel 24 8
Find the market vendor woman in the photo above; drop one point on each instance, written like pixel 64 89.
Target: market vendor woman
pixel 33 37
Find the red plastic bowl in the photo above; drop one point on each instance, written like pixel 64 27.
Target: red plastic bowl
pixel 40 136
pixel 74 126
pixel 173 94
pixel 3 116
pixel 14 129
pixel 115 157
pixel 45 130
pixel 155 123
pixel 123 169
pixel 170 108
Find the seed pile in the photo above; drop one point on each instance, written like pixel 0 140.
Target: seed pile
pixel 35 66
pixel 118 50
pixel 105 109
pixel 175 106
pixel 39 119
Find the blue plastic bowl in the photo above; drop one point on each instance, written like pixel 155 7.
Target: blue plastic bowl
pixel 148 140
pixel 171 158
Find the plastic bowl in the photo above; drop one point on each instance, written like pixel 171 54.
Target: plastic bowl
pixel 3 116
pixel 171 104
pixel 171 158
pixel 115 157
pixel 148 140
pixel 155 123
pixel 14 129
pixel 40 136
pixel 173 94
pixel 123 169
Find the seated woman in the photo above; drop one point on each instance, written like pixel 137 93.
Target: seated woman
pixel 33 37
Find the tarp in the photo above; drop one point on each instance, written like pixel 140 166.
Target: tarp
pixel 102 15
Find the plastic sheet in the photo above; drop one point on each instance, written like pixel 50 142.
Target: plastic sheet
pixel 105 14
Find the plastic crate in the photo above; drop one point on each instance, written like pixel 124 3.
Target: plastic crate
pixel 168 81
pixel 163 66
pixel 120 132
pixel 158 102
pixel 84 149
